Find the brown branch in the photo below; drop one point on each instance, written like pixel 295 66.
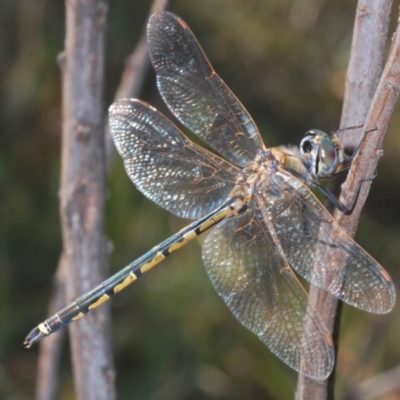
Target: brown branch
pixel 379 117
pixel 367 55
pixel 365 66
pixel 82 192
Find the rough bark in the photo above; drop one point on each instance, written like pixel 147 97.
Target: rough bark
pixel 82 192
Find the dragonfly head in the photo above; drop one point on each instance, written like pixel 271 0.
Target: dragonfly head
pixel 322 154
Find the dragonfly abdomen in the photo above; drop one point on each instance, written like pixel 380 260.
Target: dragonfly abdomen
pixel 131 273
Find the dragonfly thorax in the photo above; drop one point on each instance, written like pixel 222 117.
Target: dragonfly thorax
pixel 290 158
pixel 256 176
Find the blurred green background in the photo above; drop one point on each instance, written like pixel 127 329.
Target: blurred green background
pixel 172 335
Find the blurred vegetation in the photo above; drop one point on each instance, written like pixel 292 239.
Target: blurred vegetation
pixel 173 337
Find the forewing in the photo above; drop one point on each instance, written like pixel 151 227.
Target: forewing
pixel 252 276
pixel 306 230
pixel 165 165
pixel 195 94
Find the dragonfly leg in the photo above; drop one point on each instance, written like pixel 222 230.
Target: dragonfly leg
pixel 350 157
pixel 345 209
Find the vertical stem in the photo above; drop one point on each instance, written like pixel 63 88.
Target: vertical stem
pixel 83 191
pixel 48 376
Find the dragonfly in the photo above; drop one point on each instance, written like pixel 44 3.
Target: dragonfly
pixel 264 220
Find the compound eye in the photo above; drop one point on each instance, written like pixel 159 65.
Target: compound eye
pixel 328 157
pixel 306 145
pixel 310 141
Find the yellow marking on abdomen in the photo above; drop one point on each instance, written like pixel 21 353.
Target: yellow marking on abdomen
pixel 42 328
pixel 79 316
pixel 190 235
pixel 127 281
pixel 177 246
pixel 156 260
pixel 187 237
pixel 101 300
pixel 212 221
pixel 207 224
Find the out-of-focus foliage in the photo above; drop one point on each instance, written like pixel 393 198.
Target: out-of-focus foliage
pixel 173 337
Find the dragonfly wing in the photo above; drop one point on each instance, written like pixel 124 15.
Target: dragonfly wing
pixel 254 279
pixel 165 165
pixel 195 94
pixel 305 228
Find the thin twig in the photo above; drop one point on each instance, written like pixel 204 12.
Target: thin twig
pixel 50 350
pixel 378 386
pixel 367 55
pixel 138 62
pixel 366 65
pixel 136 66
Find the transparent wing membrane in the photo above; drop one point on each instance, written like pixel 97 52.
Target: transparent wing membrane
pixel 304 228
pixel 254 279
pixel 196 95
pixel 165 165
